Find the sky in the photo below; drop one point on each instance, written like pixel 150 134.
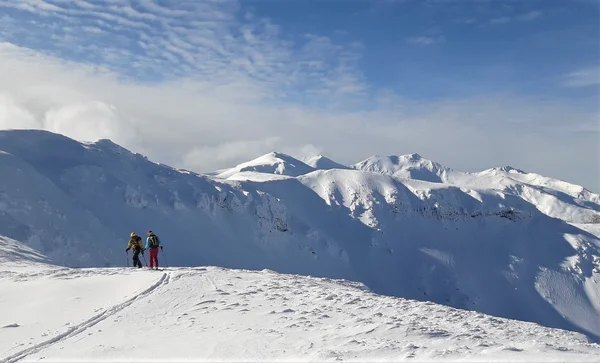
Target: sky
pixel 205 85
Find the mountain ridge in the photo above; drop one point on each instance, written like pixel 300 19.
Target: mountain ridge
pixel 510 249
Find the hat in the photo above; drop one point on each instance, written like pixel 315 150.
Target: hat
pixel 132 234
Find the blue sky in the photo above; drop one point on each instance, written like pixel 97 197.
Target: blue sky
pixel 431 77
pixel 437 48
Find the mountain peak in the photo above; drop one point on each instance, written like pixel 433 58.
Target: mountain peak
pixel 505 169
pixel 108 144
pixel 412 157
pixel 270 163
pixel 412 166
pixel 276 154
pixel 510 169
pixel 322 162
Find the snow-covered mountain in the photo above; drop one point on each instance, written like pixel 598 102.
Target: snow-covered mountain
pixel 502 242
pixel 555 198
pixel 323 163
pixel 411 166
pixel 271 163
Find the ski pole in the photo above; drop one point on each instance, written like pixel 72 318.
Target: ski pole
pixel 127 252
pixel 145 263
pixel 165 257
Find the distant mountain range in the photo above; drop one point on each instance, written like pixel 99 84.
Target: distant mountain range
pixel 501 241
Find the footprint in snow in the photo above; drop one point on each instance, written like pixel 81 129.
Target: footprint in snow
pixel 205 302
pixel 514 349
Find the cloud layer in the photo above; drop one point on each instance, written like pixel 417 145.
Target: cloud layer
pixel 205 86
pixel 583 77
pixel 210 42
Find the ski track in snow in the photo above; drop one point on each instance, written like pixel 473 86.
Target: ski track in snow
pixel 78 329
pixel 243 315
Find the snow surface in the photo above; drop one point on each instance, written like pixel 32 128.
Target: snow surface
pixel 502 242
pixel 214 314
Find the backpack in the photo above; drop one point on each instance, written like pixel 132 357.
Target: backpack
pixel 154 243
pixel 136 243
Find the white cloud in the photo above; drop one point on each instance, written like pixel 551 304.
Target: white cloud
pixel 89 122
pixel 501 20
pixel 583 77
pixel 217 156
pixel 465 20
pixel 14 116
pixel 210 40
pixel 426 40
pixel 532 15
pixel 524 17
pixel 206 94
pixel 40 5
pixel 193 125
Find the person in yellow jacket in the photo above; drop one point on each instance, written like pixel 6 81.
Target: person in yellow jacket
pixel 135 244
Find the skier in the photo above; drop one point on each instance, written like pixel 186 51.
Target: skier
pixel 135 243
pixel 153 243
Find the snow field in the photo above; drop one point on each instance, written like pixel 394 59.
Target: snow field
pixel 41 306
pixel 217 314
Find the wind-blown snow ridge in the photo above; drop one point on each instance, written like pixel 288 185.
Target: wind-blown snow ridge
pixel 494 241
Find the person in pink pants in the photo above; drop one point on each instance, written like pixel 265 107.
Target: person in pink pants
pixel 153 243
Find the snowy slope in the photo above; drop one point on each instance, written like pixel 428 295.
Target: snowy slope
pixel 215 314
pixel 487 251
pixel 271 163
pixel 17 254
pixel 572 190
pixel 555 198
pixel 485 241
pixel 77 203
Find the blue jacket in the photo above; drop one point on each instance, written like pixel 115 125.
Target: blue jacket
pixel 148 241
